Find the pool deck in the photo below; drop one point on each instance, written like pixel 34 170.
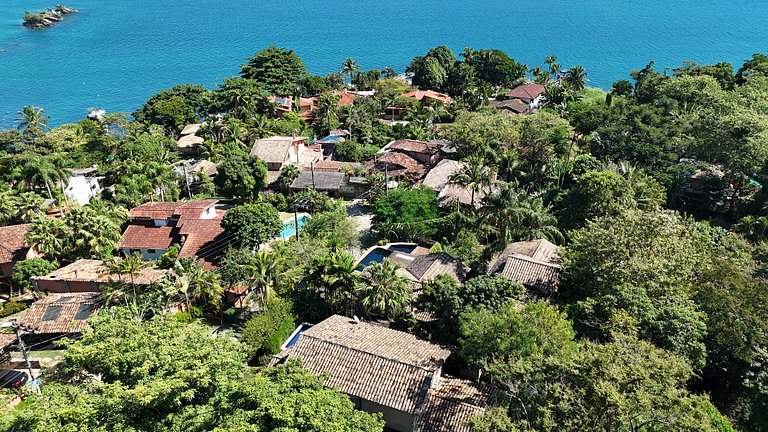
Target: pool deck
pixel 418 250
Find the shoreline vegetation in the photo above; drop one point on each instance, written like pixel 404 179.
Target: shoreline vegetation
pixel 47 18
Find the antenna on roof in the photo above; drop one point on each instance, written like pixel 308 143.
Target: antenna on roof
pixel 357 320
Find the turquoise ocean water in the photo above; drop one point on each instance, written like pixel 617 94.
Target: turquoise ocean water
pixel 115 54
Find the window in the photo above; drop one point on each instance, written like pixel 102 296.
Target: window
pixel 150 251
pixel 51 313
pixel 83 312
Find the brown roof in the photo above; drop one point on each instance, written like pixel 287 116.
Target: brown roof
pixel 61 313
pixel 334 166
pixel 429 94
pixel 514 105
pixel 165 210
pixel 375 363
pixel 526 91
pixel 205 240
pixel 13 246
pixel 88 270
pixel 146 237
pixel 415 146
pixel 452 403
pixel 531 273
pixel 410 166
pixel 345 98
pixel 427 267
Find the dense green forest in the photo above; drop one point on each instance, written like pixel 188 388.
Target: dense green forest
pixel 653 190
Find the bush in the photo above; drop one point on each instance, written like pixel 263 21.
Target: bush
pixel 23 271
pixel 265 333
pixel 12 307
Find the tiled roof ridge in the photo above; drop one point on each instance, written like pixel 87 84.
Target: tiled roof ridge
pixel 534 260
pixel 411 365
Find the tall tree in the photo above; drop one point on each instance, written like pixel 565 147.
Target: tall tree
pixel 350 68
pixel 383 292
pixel 280 70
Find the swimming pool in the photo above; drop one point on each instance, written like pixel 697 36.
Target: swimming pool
pixel 378 253
pixel 375 255
pixel 289 226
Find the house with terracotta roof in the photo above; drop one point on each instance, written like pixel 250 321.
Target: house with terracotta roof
pixel 530 94
pixel 194 225
pixel 87 275
pixel 61 313
pixel 428 97
pixel 534 264
pixel 304 107
pixel 426 152
pixel 382 370
pixel 278 151
pixel 397 165
pixel 13 248
pixel 387 371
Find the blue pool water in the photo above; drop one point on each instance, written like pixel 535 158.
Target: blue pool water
pixel 402 248
pixel 376 255
pixel 115 54
pixel 289 227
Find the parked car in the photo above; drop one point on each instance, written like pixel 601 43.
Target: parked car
pixel 12 379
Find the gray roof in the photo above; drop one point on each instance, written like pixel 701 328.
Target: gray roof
pixel 531 273
pixel 427 267
pixel 323 180
pixel 539 250
pixel 378 364
pixel 532 263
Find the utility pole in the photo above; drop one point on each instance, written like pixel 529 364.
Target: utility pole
pixel 23 348
pixel 312 169
pixel 186 179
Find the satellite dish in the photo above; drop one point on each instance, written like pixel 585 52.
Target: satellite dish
pixel 357 320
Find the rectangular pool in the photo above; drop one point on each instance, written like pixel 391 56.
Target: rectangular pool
pixel 289 227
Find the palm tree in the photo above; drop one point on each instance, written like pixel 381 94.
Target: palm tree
pixel 32 122
pixel 131 265
pixel 60 171
pixel 468 54
pixel 206 285
pixel 388 72
pixel 576 78
pixel 8 207
pixel 383 292
pixel 474 175
pixel 517 216
pixel 288 174
pixel 38 173
pixel 29 206
pixel 328 111
pixel 159 176
pixel 263 272
pixel 349 67
pixel 554 67
pixel 48 236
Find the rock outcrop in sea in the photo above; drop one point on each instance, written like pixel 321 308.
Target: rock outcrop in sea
pixel 46 18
